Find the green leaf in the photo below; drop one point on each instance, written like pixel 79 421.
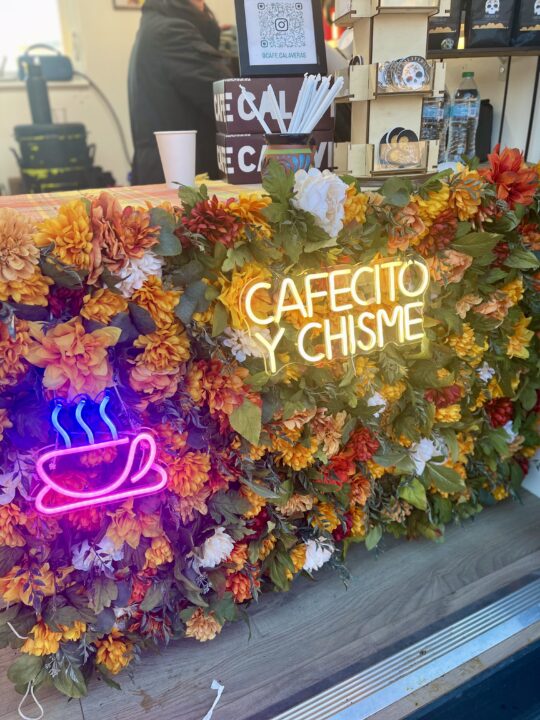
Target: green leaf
pixel 522 260
pixel 70 682
pixel 8 558
pixel 220 320
pixel 193 300
pixel 65 615
pixel 444 478
pixel 247 420
pixel 190 196
pixel 374 537
pixel 225 608
pixel 169 245
pixel 476 244
pixel 24 669
pixel 414 493
pixel 63 275
pixel 397 191
pixel 141 319
pixel 153 597
pixel 188 273
pixel 278 183
pixel 103 593
pixel 237 257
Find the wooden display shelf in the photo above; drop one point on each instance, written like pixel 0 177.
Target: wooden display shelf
pixel 361 161
pixel 348 11
pixel 361 84
pixel 482 52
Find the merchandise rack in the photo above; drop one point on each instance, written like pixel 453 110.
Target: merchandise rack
pixel 386 30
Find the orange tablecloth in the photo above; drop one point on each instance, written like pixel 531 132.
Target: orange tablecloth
pixel 43 205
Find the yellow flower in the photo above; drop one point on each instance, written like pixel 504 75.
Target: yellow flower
pixel 249 208
pixel 467 187
pixel 153 387
pixel 358 527
pixel 159 553
pixel 375 470
pixel 102 306
pixel 233 291
pixel 267 545
pixel 255 500
pixel 18 253
pixel 296 504
pixel 22 585
pixel 43 641
pixel 500 493
pixel 73 632
pixel 202 626
pixel 366 372
pixel 163 350
pixel 355 206
pixel 114 652
pixel 32 291
pixel 75 361
pixel 480 401
pixel 10 518
pixel 514 290
pixel 466 347
pixel 325 517
pixel 160 303
pixel 5 423
pixel 71 234
pixel 295 455
pixel 495 390
pixel 449 414
pixel 519 341
pixel 12 350
pixel 466 447
pixel 393 392
pixel 435 203
pixel 189 473
pixel 298 559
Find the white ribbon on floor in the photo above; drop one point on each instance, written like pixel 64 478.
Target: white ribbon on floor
pixel 219 688
pixel 30 691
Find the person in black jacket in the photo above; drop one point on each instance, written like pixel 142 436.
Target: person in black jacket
pixel 174 63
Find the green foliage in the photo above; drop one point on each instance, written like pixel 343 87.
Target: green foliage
pixel 247 421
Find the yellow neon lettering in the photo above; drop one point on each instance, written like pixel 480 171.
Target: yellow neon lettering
pixel 368 331
pixel 330 337
pixel 288 286
pixel 249 298
pixel 354 287
pixel 420 290
pixel 338 290
pixel 301 340
pixel 408 321
pixel 271 347
pixel 311 294
pixel 396 320
pixel 390 266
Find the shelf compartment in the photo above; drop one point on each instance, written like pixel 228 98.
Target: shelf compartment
pixel 347 11
pixel 363 161
pixel 362 83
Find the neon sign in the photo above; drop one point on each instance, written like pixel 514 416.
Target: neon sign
pixel 79 475
pixel 345 311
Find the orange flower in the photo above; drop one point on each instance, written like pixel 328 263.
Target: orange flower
pixel 5 423
pixel 189 473
pixel 127 526
pixel 249 209
pixel 32 291
pixel 159 553
pixel 43 641
pixel 102 306
pixel 222 387
pixel 10 518
pixel 202 626
pixel 239 556
pixel 233 292
pixel 154 387
pixel 355 206
pixel 466 303
pixel 466 198
pixel 12 350
pixel 75 361
pixel 25 585
pixel 516 182
pixel 70 233
pixel 496 307
pixel 160 303
pixel 18 254
pixel 114 652
pixel 188 507
pixel 450 267
pixel 408 228
pixel 163 350
pixel 240 586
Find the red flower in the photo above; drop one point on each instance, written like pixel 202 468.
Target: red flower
pixel 64 301
pixel 501 251
pixel 339 470
pixel 444 397
pixel 523 464
pixel 515 181
pixel 212 220
pixel 362 445
pixel 340 533
pixel 258 524
pixel 500 411
pixel 441 233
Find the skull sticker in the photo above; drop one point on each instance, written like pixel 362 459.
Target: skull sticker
pixel 492 7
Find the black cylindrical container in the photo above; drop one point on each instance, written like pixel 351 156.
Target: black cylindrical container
pixel 38 95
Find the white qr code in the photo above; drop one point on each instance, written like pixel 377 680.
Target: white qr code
pixel 281 24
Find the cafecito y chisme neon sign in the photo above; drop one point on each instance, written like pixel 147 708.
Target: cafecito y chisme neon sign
pixel 344 311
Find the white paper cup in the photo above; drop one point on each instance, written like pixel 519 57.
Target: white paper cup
pixel 177 149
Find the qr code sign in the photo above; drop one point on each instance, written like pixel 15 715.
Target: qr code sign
pixel 281 25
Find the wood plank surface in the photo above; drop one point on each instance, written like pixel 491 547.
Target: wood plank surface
pixel 321 632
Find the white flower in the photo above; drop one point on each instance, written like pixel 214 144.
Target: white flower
pixel 216 549
pixel 422 452
pixel 243 344
pixel 377 400
pixel 101 555
pixel 137 271
pixel 323 195
pixel 318 553
pixel 485 372
pixel 509 430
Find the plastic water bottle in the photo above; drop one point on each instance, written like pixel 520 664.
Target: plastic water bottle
pixel 464 119
pixel 443 139
pixel 432 118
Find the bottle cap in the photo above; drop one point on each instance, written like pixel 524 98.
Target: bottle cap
pixel 467 74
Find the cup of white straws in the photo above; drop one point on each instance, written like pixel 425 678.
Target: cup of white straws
pixel 293 147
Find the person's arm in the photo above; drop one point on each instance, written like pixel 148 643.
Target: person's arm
pixel 192 65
